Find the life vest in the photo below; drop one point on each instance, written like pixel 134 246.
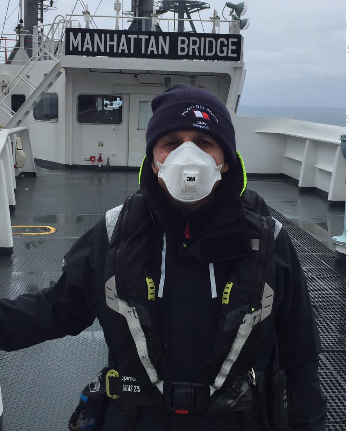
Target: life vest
pixel 246 321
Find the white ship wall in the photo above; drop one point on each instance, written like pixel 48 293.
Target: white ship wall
pixel 261 153
pixel 68 142
pixel 47 137
pixel 123 144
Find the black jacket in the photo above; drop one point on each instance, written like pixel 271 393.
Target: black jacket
pixel 71 305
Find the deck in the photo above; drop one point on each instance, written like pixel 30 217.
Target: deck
pixel 41 384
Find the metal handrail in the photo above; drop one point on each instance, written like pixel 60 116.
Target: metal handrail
pixel 169 20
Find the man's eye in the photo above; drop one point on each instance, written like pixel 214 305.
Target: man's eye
pixel 204 142
pixel 170 144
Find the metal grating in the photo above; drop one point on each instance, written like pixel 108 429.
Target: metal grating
pixel 336 362
pixel 327 285
pixel 337 427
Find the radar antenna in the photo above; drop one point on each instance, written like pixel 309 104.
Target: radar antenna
pixel 181 7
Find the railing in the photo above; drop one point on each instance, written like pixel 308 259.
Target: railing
pixel 8 140
pixel 308 152
pixel 8 44
pixel 45 44
pixel 214 25
pixel 49 49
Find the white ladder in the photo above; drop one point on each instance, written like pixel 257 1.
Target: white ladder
pixel 49 49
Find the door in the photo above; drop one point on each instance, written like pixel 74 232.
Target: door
pixel 102 127
pixel 140 114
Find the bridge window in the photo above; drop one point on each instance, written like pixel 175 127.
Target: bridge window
pixel 47 108
pixel 99 109
pixel 144 115
pixel 17 101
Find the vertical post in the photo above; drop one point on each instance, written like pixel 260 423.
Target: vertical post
pixel 41 11
pixel 6 240
pixel 35 39
pixel 154 20
pixel 5 50
pixel 341 241
pixel 146 11
pixel 9 175
pixel 12 149
pixel 216 22
pixel 29 167
pixel 234 27
pixel 31 12
pixel 181 16
pixel 117 8
pixel 30 15
pixel 87 17
pixel 20 10
pixel 25 44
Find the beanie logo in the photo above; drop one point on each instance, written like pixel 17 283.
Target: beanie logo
pixel 201 113
pixel 204 115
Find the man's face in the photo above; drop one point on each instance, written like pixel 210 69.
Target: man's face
pixel 173 140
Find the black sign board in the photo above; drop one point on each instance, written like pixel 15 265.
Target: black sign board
pixel 178 46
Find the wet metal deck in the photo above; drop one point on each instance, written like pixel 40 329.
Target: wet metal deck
pixel 41 384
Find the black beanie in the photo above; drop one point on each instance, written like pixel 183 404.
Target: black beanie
pixel 183 107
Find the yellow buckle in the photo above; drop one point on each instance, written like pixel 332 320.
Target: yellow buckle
pixel 226 293
pixel 151 289
pixel 110 373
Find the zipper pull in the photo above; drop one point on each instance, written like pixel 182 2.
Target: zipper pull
pixel 183 246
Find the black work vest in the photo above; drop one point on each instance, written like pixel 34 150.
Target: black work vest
pixel 246 317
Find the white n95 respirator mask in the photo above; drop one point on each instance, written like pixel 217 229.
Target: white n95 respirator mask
pixel 189 173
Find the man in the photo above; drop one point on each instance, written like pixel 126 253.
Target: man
pixel 198 290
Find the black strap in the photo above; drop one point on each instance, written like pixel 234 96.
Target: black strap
pixel 250 420
pixel 129 412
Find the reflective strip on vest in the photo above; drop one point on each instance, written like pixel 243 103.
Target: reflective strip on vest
pixel 131 316
pixel 163 268
pixel 278 227
pixel 250 320
pixel 111 218
pixel 213 281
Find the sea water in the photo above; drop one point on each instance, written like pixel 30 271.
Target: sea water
pixel 333 116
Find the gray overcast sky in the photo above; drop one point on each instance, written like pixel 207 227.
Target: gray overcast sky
pixel 294 51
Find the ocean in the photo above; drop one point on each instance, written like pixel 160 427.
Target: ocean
pixel 333 116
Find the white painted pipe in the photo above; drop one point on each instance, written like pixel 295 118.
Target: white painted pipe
pixel 9 172
pixel 6 240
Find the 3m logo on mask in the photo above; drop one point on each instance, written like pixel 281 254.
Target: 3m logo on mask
pixel 190 178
